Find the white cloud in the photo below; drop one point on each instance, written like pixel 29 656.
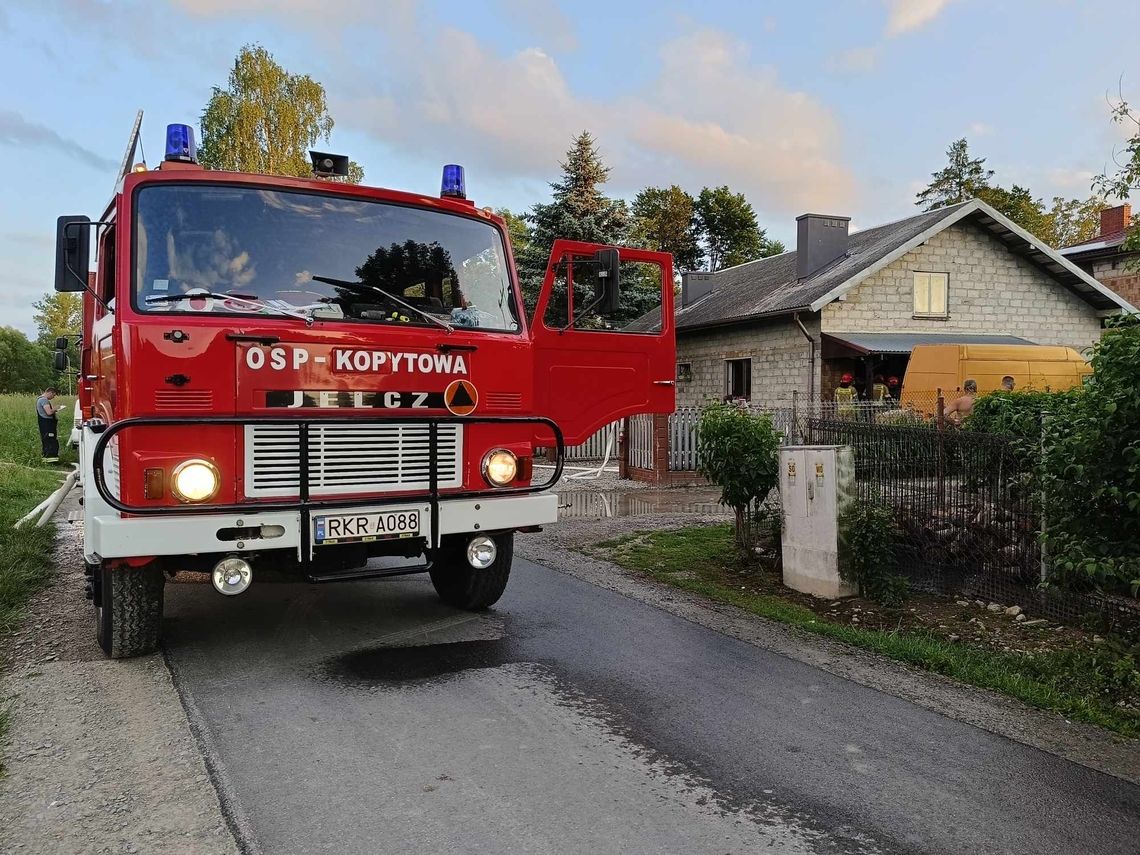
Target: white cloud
pixel 980 129
pixel 906 15
pixel 855 60
pixel 18 132
pixel 709 117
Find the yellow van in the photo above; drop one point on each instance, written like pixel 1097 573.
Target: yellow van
pixel 949 366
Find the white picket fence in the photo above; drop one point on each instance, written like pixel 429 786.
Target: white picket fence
pixel 601 445
pixel 640 441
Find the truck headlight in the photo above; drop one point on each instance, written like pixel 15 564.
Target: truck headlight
pixel 195 480
pixel 500 467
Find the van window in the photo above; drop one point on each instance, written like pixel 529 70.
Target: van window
pixel 930 298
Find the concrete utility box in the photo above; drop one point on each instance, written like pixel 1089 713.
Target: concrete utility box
pixel 816 481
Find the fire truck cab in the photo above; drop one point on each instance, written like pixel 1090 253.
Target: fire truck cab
pixel 307 375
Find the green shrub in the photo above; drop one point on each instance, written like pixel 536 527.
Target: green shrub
pixel 867 532
pixel 738 451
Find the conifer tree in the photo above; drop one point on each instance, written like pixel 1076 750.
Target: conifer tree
pixel 963 178
pixel 579 210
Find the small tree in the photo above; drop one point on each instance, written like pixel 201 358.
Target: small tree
pixel 738 452
pixel 266 119
pixel 962 178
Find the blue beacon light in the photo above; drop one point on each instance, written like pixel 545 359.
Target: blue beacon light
pixel 453 186
pixel 180 144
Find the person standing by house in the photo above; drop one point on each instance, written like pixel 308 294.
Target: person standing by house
pixel 894 388
pixel 961 407
pixel 1007 383
pixel 845 397
pixel 46 416
pixel 880 392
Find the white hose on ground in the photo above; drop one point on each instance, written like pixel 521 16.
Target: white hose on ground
pixel 49 505
pixel 33 511
pixel 598 472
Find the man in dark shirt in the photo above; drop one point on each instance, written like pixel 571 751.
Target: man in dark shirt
pixel 46 416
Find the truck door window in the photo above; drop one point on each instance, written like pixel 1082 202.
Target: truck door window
pixel 105 279
pixel 334 257
pixel 639 306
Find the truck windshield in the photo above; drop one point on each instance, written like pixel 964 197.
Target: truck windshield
pixel 331 257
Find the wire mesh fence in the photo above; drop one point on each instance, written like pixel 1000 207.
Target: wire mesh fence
pixel 968 514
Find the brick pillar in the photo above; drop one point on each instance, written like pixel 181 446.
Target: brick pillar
pixel 660 449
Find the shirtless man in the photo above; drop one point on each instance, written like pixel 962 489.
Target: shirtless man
pixel 957 410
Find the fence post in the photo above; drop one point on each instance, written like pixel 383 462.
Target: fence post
pixel 623 449
pixel 661 448
pixel 1044 500
pixel 940 424
pixel 794 438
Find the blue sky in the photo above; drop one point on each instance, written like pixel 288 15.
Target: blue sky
pixel 836 107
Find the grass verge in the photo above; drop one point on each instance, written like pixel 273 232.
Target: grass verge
pixel 1097 684
pixel 25 554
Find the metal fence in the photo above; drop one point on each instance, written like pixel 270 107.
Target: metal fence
pixel 969 520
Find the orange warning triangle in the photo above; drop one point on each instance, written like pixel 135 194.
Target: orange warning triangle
pixel 460 397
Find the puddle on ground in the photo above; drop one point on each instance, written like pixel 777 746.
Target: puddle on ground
pixel 390 665
pixel 595 504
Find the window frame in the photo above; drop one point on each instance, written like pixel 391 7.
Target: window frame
pixel 685 376
pixel 928 315
pixel 728 363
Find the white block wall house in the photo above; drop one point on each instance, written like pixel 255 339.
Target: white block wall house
pixel 859 302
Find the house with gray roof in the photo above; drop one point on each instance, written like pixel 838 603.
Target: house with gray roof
pixel 859 302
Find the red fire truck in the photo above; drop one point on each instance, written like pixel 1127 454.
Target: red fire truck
pixel 309 375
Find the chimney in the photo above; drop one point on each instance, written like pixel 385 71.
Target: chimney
pixel 820 240
pixel 694 286
pixel 1113 220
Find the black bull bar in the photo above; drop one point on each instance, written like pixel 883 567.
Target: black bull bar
pixel 304 502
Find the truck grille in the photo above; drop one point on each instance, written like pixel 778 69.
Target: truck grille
pixel 350 459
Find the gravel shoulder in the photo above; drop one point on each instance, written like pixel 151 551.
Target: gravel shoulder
pixel 559 547
pixel 100 757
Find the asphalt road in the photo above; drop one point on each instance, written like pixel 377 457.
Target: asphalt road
pixel 369 718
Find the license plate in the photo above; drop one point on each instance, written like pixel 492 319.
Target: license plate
pixel 365 526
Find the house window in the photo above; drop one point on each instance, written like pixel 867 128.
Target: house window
pixel 930 297
pixel 684 372
pixel 738 378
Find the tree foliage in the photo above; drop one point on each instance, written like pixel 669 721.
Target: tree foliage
pixel 665 219
pixel 868 533
pixel 960 180
pixel 738 451
pixel 1082 448
pixel 1125 180
pixel 728 229
pixel 25 366
pixel 59 314
pixel 518 231
pixel 266 119
pixel 579 210
pixel 1061 223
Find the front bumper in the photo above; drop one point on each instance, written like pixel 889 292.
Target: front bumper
pixel 111 536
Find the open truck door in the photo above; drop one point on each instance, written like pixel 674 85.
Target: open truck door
pixel 603 333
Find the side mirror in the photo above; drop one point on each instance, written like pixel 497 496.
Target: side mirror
pixel 72 253
pixel 607 291
pixel 61 343
pixel 60 362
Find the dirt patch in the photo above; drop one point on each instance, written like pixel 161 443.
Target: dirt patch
pixel 100 757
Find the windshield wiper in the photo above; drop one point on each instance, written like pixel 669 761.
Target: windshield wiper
pixel 363 286
pixel 248 299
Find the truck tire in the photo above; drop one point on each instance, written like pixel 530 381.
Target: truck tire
pixel 129 614
pixel 465 587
